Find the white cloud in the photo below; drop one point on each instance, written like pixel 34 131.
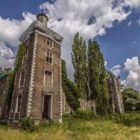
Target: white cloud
pixel 132 3
pixel 116 70
pixel 132 66
pixel 129 23
pixel 6 56
pixel 138 22
pixel 69 17
pixel 105 63
pixel 10 31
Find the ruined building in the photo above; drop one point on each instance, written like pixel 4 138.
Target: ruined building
pixel 38 88
pixel 37 91
pixel 116 101
pixel 4 104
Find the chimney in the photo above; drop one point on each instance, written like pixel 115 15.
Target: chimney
pixel 43 19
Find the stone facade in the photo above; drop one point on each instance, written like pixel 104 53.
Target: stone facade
pixel 37 92
pixel 66 107
pixel 116 101
pixel 86 105
pixel 4 111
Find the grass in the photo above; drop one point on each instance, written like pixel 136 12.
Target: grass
pixel 113 127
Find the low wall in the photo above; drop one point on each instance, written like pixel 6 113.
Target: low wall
pixel 86 105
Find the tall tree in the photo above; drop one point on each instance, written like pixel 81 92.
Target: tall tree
pixel 93 67
pixel 97 77
pixel 104 105
pixel 79 64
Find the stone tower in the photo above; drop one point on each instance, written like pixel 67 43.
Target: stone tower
pixel 37 91
pixel 116 101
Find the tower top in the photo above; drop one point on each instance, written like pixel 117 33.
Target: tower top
pixel 43 19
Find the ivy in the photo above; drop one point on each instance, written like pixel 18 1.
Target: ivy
pixel 11 76
pixel 69 89
pixel 19 57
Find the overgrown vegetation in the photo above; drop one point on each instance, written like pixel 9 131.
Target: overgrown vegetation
pixel 28 124
pixel 11 80
pixel 69 89
pixel 19 56
pixel 79 63
pixel 131 99
pixel 12 74
pixel 117 127
pixel 89 73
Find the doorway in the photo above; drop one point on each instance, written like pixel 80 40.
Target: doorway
pixel 46 107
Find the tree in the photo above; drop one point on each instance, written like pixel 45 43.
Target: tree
pixel 104 108
pixel 97 77
pixel 131 99
pixel 93 67
pixel 79 64
pixel 69 88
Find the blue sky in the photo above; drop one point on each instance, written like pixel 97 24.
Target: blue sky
pixel 122 41
pixel 118 31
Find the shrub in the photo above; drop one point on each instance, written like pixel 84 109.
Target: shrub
pixel 28 124
pixel 87 115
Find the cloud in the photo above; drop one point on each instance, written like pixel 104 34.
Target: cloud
pixel 89 18
pixel 116 70
pixel 10 31
pixel 105 63
pixel 132 66
pixel 129 23
pixel 6 56
pixel 132 3
pixel 138 22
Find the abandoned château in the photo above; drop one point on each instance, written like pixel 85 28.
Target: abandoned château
pixel 38 88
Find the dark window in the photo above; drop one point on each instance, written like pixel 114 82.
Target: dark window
pixel 22 75
pixel 49 43
pixel 19 103
pixel 49 57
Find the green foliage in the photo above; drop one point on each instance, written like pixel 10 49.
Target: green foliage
pixel 89 73
pixel 86 115
pixel 11 76
pixel 28 124
pixel 131 99
pixel 117 127
pixel 11 81
pixel 19 56
pixel 93 67
pixel 79 64
pixel 69 89
pixel 97 78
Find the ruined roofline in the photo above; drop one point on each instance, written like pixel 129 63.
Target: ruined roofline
pixel 37 25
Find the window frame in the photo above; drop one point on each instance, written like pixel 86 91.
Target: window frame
pixel 49 56
pixel 50 41
pixel 44 82
pixel 20 86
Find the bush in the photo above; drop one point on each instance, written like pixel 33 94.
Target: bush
pixel 28 124
pixel 131 99
pixel 87 115
pixel 129 119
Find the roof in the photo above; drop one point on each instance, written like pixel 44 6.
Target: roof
pixel 39 26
